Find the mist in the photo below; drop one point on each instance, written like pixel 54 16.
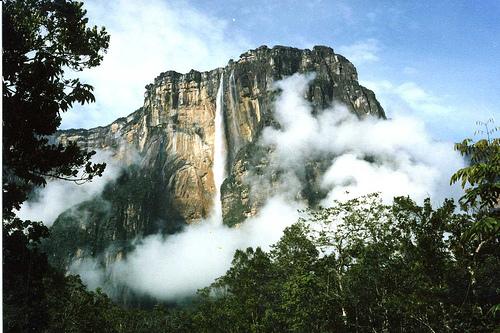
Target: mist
pixel 57 196
pixel 50 201
pixel 176 266
pixel 394 157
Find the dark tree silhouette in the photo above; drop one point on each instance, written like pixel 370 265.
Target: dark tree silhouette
pixel 43 39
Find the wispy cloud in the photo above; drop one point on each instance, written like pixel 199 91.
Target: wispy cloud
pixel 418 98
pixel 446 120
pixel 345 11
pixel 408 70
pixel 414 97
pixel 365 51
pixel 148 37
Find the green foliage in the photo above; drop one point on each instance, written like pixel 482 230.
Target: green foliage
pixel 43 39
pixel 360 266
pixel 483 192
pixel 483 173
pixel 357 266
pixel 24 269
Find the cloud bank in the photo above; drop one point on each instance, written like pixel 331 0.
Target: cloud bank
pixel 395 157
pixel 176 266
pixel 57 196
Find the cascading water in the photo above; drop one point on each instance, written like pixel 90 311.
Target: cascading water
pixel 233 97
pixel 219 162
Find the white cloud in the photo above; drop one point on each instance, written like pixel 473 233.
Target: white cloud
pixel 147 38
pixel 410 97
pixel 365 51
pixel 405 160
pixel 176 266
pixel 419 99
pixel 412 93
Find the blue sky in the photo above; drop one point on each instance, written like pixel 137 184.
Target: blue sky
pixel 436 61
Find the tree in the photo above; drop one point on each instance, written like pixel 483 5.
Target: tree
pixel 483 177
pixel 43 40
pixel 483 173
pixel 483 195
pixel 24 269
pixel 359 266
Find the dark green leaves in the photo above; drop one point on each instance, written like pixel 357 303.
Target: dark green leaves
pixel 483 173
pixel 43 39
pixel 360 266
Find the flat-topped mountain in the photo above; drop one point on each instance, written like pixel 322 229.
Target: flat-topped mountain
pixel 169 180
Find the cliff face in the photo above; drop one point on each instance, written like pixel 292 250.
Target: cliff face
pixel 170 182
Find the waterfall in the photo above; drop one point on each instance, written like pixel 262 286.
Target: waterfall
pixel 219 159
pixel 233 97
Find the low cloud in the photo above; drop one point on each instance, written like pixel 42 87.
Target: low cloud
pixel 90 272
pixel 173 267
pixel 394 157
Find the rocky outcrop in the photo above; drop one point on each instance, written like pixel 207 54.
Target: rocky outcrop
pixel 170 182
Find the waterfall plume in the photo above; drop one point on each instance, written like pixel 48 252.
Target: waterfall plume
pixel 233 99
pixel 220 151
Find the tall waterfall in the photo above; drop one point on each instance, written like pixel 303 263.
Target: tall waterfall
pixel 233 98
pixel 220 151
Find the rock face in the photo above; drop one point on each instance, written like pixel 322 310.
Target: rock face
pixel 169 181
